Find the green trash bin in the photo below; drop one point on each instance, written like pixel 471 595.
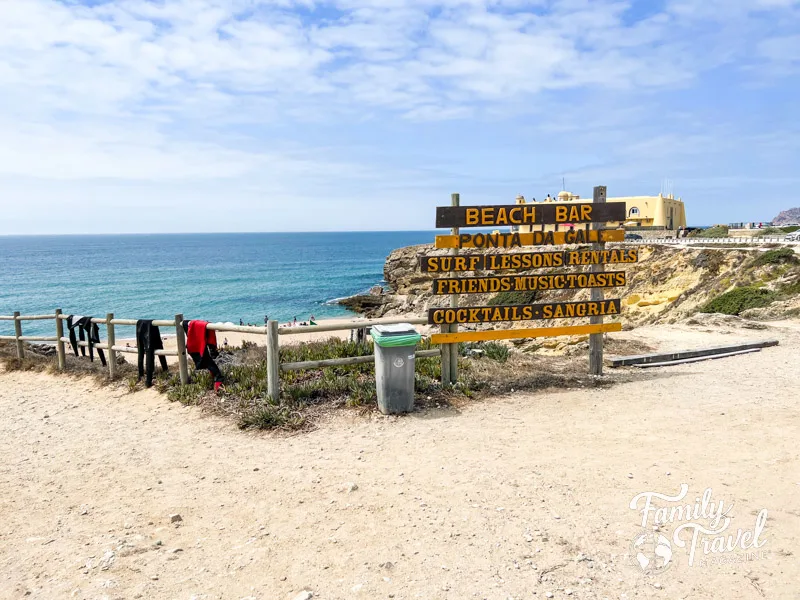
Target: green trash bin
pixel 395 363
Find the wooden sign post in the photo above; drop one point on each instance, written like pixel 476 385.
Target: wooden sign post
pixel 596 339
pixel 455 202
pixel 593 215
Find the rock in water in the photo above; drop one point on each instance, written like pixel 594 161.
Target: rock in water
pixel 362 303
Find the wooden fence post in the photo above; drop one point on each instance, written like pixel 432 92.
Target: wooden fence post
pixel 445 357
pixel 455 200
pixel 596 339
pixel 18 334
pixel 273 361
pixel 112 354
pixel 62 355
pixel 183 367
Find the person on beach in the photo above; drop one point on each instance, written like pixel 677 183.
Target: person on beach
pixel 294 323
pixel 241 322
pixel 225 343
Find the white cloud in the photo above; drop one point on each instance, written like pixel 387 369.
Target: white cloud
pixel 783 49
pixel 244 90
pixel 119 56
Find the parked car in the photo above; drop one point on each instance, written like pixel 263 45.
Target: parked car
pixel 632 236
pixel 791 237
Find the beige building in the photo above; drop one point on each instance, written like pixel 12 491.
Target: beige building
pixel 660 211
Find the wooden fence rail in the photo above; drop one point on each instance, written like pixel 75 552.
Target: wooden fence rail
pixel 271 331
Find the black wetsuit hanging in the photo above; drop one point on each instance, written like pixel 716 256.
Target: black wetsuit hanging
pixel 87 332
pixel 148 340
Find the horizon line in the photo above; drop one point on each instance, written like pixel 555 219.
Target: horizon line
pixel 440 231
pixel 217 232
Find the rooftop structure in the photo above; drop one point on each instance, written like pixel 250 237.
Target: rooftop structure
pixel 662 212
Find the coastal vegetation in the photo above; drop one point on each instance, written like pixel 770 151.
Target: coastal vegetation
pixel 718 231
pixel 738 300
pixel 512 297
pixel 712 232
pixel 775 257
pixel 776 231
pixel 309 394
pixel 491 350
pixel 778 280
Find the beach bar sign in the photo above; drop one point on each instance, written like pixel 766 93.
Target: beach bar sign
pixel 504 265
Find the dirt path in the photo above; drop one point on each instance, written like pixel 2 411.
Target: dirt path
pixel 518 497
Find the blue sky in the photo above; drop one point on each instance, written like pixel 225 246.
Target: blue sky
pixel 246 115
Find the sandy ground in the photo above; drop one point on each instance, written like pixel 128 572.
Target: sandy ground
pixel 524 496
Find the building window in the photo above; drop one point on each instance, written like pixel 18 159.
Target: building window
pixel 633 212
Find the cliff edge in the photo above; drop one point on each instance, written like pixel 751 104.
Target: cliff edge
pixel 666 284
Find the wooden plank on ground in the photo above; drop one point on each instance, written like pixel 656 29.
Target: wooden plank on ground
pixel 685 361
pixel 657 357
pixel 513 334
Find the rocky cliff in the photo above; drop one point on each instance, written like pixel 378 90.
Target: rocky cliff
pixel 666 285
pixel 787 216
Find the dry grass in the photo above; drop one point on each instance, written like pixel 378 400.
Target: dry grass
pixel 623 347
pixel 76 366
pixel 307 397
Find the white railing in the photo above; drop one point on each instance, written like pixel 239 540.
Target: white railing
pixel 755 241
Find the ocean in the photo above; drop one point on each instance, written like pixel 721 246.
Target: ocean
pixel 214 277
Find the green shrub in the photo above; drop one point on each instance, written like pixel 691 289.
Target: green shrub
pixel 789 290
pixel 507 298
pixel 711 232
pixel 268 416
pixel 187 394
pixel 774 257
pixel 738 300
pixel 770 232
pixel 491 350
pixel 496 351
pixel 791 229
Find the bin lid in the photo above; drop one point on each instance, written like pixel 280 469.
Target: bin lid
pixel 394 329
pixel 392 336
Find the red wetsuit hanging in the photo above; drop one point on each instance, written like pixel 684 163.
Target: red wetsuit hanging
pixel 201 344
pixel 199 336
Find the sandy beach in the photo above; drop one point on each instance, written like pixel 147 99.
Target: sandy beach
pixel 521 496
